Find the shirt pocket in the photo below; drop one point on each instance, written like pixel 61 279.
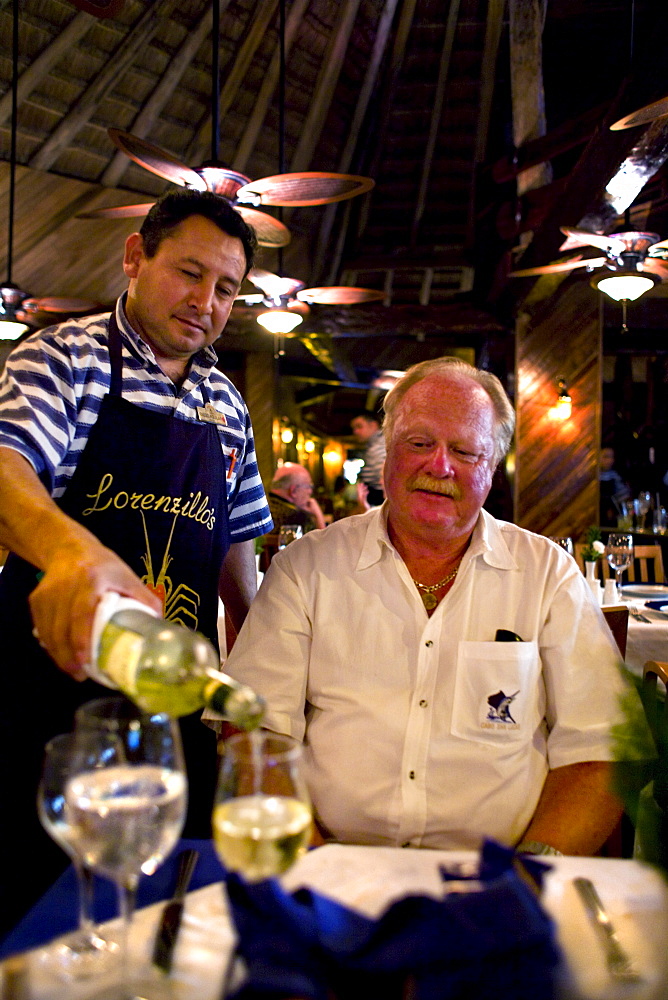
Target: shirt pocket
pixel 496 692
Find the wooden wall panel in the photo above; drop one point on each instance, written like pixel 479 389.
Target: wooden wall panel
pixel 260 395
pixel 556 482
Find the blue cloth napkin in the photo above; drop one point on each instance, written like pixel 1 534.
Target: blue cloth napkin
pixel 493 944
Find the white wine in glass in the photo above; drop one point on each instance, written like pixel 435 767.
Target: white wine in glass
pixel 619 553
pixel 84 953
pixel 127 798
pixel 262 814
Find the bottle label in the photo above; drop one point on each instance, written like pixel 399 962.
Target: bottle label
pixel 119 658
pixel 98 669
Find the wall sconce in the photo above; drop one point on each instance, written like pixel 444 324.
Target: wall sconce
pixel 563 407
pixel 309 445
pixel 287 435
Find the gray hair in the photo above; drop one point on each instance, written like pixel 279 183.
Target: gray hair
pixel 505 415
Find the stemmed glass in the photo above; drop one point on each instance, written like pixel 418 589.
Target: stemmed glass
pixel 619 553
pixel 288 533
pixel 564 542
pixel 127 797
pixel 85 952
pixel 642 507
pixel 262 812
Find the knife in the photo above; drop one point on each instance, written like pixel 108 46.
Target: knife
pixel 618 962
pixel 170 921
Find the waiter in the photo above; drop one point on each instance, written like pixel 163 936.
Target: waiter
pixel 127 463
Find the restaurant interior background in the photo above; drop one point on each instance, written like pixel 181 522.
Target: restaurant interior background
pixel 485 126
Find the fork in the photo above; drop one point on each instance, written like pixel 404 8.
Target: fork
pixel 638 616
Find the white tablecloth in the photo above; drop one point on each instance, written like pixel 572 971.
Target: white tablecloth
pixel 368 878
pixel 646 640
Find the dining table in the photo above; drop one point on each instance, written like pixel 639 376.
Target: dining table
pixel 648 627
pixel 366 879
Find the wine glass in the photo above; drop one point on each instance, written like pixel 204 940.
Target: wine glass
pixel 619 553
pixel 85 952
pixel 127 797
pixel 565 543
pixel 288 533
pixel 262 813
pixel 642 507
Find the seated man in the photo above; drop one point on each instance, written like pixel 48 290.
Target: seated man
pixel 374 643
pixel 291 499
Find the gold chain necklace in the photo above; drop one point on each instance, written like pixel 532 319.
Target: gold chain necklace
pixel 427 592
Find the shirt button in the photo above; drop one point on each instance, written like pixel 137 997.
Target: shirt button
pixel 422 703
pixel 411 775
pixel 428 643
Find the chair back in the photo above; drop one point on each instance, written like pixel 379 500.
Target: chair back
pixel 647 565
pixel 656 702
pixel 618 623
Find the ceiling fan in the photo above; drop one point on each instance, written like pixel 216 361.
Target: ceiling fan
pixel 18 309
pixel 626 253
pixel 289 294
pixel 283 189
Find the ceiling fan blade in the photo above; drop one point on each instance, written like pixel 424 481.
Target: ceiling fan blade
pixel 643 115
pixel 272 285
pixel 564 265
pixel 581 237
pixel 157 160
pixel 661 245
pixel 339 295
pixel 117 212
pixel 50 304
pixel 306 188
pixel 252 299
pixel 655 266
pixel 269 231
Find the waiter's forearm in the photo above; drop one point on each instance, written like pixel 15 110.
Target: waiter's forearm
pixel 31 523
pixel 238 581
pixel 77 567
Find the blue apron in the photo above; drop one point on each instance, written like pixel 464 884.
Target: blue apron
pixel 151 487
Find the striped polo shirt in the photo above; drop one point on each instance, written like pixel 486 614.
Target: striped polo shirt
pixel 52 388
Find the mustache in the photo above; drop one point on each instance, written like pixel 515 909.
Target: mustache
pixel 445 487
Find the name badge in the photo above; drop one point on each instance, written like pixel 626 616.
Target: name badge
pixel 210 415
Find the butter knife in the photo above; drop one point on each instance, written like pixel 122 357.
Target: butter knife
pixel 619 964
pixel 170 922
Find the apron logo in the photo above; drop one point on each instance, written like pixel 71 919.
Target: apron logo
pixel 210 415
pixel 498 712
pixel 195 507
pixel 179 603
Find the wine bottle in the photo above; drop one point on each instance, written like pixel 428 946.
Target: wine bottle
pixel 163 666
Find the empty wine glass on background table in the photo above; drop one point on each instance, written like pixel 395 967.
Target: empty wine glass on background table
pixel 564 542
pixel 85 952
pixel 288 533
pixel 262 812
pixel 619 553
pixel 127 796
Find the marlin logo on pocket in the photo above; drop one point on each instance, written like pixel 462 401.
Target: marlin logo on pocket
pixel 499 708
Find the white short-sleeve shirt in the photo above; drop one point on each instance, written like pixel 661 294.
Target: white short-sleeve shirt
pixel 425 731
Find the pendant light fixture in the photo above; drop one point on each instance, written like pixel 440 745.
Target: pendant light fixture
pixel 11 296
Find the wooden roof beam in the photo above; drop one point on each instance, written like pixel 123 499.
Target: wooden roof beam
pixel 115 67
pixel 168 83
pixel 370 77
pixel 200 146
pixel 324 88
pixel 39 68
pixel 252 130
pixel 435 123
